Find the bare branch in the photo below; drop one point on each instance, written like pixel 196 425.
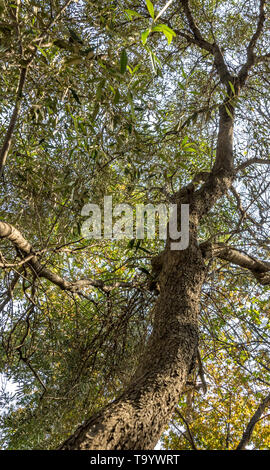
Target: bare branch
pixel 251 57
pixel 201 372
pixel 190 436
pixel 243 212
pixel 11 233
pixel 198 39
pixel 8 137
pixel 252 161
pixel 253 421
pixel 260 269
pixel 194 28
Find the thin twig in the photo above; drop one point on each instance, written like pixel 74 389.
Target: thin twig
pixel 191 439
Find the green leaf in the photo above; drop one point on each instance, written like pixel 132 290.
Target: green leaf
pixel 74 36
pixel 133 14
pixel 144 249
pixel 229 112
pixel 42 52
pixel 116 97
pixel 232 87
pixel 99 89
pixel 134 70
pixel 75 96
pixel 185 140
pixel 145 35
pixel 150 8
pixel 168 32
pixel 74 60
pixel 123 61
pixel 95 112
pixel 164 28
pixel 168 36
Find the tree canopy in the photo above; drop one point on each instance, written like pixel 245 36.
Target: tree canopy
pixel 149 103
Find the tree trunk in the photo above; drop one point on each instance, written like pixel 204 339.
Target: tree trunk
pixel 138 417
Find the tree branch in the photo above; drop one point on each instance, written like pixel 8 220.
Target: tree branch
pixel 251 57
pixel 260 269
pixel 223 172
pixel 243 212
pixel 10 290
pixel 198 39
pixel 262 58
pixel 11 233
pixel 8 137
pixel 190 436
pixel 201 372
pixel 252 161
pixel 253 421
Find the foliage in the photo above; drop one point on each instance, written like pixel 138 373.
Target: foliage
pixel 117 102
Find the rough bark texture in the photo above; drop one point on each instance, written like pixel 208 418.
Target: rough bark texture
pixel 138 417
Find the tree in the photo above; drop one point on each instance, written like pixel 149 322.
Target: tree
pixel 150 103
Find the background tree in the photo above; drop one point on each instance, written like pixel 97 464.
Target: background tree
pixel 164 102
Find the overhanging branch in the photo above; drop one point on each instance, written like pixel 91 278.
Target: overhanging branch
pixel 10 233
pixel 260 269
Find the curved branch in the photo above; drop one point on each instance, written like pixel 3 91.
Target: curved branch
pixel 12 234
pixel 198 39
pixel 260 269
pixel 190 436
pixel 13 120
pixel 223 172
pixel 253 161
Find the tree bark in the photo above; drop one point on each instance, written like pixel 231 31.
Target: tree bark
pixel 138 417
